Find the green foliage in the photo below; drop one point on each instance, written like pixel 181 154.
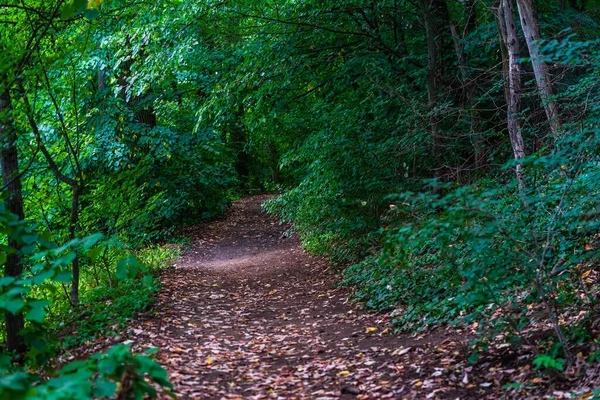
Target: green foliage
pixel 394 168
pixel 339 202
pixel 498 251
pixel 169 180
pixel 116 371
pixel 49 264
pixel 28 294
pixel 106 308
pixel 491 251
pixel 103 311
pixel 545 361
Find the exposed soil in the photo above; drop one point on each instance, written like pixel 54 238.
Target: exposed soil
pixel 245 313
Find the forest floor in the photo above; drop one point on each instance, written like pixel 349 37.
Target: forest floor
pixel 245 313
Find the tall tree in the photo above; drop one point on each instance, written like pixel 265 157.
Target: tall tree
pixel 12 182
pixel 435 20
pixel 76 183
pixel 531 30
pixel 508 31
pixel 469 83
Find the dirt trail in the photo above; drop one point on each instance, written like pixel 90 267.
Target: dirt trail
pixel 245 313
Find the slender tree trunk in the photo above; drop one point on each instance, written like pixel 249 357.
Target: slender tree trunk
pixel 14 202
pixel 431 21
pixel 531 29
pixel 509 31
pixel 76 187
pixel 469 90
pixel 501 26
pixel 101 80
pixel 72 228
pixel 237 141
pixel 273 162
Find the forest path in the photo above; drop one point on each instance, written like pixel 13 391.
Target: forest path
pixel 245 313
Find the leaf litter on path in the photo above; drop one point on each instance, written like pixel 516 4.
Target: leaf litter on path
pixel 247 314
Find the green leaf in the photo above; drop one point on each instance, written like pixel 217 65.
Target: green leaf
pixel 46 245
pixel 65 259
pixel 64 276
pixel 42 276
pixel 6 280
pixel 29 249
pixel 5 361
pixel 107 366
pixel 148 280
pixel 17 381
pixel 94 253
pixel 73 366
pixel 121 271
pixel 13 306
pixel 29 239
pixel 127 268
pixel 151 350
pixel 91 13
pixel 45 235
pixel 473 358
pixel 546 361
pixel 104 388
pixel 37 311
pixel 17 291
pixel 67 11
pixel 92 240
pixel 72 7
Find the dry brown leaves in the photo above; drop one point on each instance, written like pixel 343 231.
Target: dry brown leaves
pixel 247 314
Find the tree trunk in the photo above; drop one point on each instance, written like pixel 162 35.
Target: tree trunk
pixel 143 113
pixel 501 26
pixel 76 186
pixel 509 31
pixel 72 227
pixel 237 142
pixel 433 17
pixel 14 203
pixel 469 88
pixel 531 29
pixel 101 80
pixel 273 162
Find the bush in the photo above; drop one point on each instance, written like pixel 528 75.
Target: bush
pixel 102 375
pixel 495 250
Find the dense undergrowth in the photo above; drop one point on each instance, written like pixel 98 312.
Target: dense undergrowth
pixel 52 326
pixel 511 254
pixel 110 302
pixel 387 127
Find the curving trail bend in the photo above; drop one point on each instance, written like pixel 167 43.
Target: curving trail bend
pixel 246 314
